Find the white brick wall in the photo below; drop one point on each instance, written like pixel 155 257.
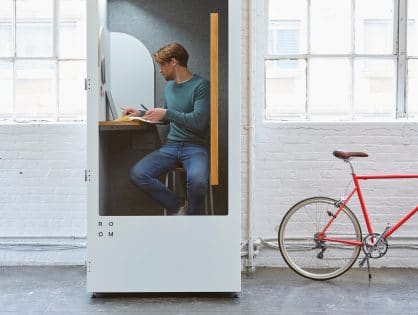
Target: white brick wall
pixel 294 161
pixel 43 193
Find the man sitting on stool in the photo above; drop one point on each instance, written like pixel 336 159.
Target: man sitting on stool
pixel 187 110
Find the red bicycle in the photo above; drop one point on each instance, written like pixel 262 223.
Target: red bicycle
pixel 320 238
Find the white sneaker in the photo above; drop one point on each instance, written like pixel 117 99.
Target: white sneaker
pixel 183 209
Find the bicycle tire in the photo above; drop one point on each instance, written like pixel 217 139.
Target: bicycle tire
pixel 293 226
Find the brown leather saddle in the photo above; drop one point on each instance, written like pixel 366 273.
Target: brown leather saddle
pixel 346 155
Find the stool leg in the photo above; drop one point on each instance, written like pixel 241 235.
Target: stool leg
pixel 166 184
pixel 206 203
pixel 212 212
pixel 174 180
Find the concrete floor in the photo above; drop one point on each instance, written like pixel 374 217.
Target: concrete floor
pixel 62 290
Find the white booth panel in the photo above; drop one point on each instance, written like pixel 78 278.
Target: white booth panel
pixel 162 253
pixel 103 50
pixel 131 72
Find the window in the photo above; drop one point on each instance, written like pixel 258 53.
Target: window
pixel 42 59
pixel 341 60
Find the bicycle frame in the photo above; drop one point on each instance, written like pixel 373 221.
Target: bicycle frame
pixel 357 189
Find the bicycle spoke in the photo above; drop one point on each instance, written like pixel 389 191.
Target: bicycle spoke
pixel 310 219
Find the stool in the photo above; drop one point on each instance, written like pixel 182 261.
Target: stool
pixel 208 197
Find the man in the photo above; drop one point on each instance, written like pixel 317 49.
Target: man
pixel 187 110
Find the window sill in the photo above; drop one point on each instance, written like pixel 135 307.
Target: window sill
pixel 289 123
pixel 359 120
pixel 7 122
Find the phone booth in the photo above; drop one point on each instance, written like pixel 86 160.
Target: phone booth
pixel 133 246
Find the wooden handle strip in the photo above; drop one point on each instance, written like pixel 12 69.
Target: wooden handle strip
pixel 214 95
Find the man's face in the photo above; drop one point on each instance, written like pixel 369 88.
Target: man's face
pixel 167 69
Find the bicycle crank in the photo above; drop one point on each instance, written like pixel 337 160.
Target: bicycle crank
pixel 375 245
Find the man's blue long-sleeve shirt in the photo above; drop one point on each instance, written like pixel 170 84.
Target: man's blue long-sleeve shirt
pixel 188 110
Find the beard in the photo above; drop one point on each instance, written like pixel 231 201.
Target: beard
pixel 168 77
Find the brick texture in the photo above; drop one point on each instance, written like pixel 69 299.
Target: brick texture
pixel 43 193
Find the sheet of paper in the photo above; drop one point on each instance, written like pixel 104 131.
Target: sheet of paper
pixel 147 121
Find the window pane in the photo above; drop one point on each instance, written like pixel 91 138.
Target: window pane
pixel 412 96
pixel 287 27
pixel 285 88
pixel 35 89
pixel 412 40
pixel 72 29
pixel 72 100
pixel 374 88
pixel 374 26
pixel 6 89
pixel 6 28
pixel 34 28
pixel 330 26
pixel 329 87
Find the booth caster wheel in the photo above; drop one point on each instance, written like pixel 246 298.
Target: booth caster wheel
pixel 93 295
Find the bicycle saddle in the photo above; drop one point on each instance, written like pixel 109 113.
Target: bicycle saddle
pixel 346 155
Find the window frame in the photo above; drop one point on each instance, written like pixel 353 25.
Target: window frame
pixel 54 58
pixel 412 56
pixel 260 17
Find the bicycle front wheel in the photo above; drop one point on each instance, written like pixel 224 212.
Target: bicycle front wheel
pixel 308 255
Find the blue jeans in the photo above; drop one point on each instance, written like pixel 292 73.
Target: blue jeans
pixel 193 158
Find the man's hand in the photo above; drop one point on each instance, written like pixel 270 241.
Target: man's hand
pixel 130 111
pixel 155 114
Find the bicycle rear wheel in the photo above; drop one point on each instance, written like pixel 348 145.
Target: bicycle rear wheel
pixel 313 258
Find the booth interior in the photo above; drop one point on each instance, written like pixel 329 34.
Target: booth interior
pixel 152 24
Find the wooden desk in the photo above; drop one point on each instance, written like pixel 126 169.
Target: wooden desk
pixel 123 125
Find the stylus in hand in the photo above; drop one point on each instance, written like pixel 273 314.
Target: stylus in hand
pixel 142 105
